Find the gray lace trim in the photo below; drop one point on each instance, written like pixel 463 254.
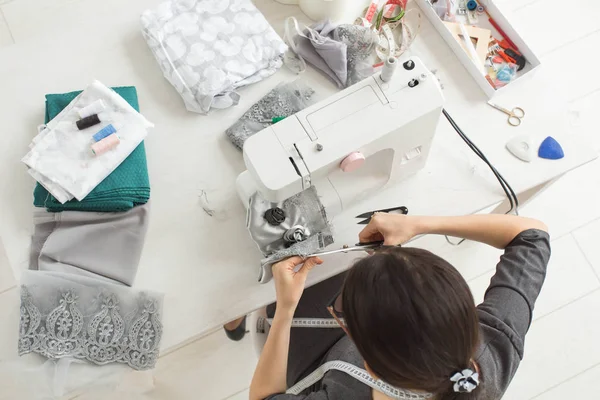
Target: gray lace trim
pixel 361 42
pixel 103 339
pixel 283 101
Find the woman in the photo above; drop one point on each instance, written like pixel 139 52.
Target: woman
pixel 409 318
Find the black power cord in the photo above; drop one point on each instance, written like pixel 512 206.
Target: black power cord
pixel 510 194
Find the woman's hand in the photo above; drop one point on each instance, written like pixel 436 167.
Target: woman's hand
pixel 289 284
pixel 393 229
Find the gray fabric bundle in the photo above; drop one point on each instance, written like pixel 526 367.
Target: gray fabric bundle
pixel 76 302
pixel 285 100
pixel 303 209
pixel 104 246
pixel 339 51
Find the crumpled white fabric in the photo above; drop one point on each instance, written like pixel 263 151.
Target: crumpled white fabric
pixel 209 48
pixel 60 158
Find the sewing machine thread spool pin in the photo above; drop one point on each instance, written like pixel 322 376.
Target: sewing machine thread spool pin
pixel 408 65
pixel 413 82
pixel 389 67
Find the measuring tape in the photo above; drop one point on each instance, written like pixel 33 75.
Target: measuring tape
pixel 359 374
pixel 301 323
pixel 263 326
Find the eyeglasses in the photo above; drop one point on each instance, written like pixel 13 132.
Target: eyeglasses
pixel 335 309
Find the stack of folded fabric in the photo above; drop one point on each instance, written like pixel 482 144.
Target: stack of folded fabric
pixel 76 299
pixel 112 182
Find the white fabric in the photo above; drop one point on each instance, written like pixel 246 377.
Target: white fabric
pixel 60 158
pixel 209 48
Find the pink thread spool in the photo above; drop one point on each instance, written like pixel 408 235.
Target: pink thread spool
pixel 106 144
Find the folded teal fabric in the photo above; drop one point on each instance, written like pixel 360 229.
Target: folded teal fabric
pixel 126 187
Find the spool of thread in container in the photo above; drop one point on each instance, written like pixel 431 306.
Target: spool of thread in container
pixel 91 109
pixel 389 66
pixel 87 122
pixel 105 144
pixel 104 132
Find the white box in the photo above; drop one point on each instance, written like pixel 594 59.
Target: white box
pixel 532 60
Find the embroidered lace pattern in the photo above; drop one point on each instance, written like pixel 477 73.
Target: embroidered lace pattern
pixel 282 101
pixel 361 42
pixel 106 336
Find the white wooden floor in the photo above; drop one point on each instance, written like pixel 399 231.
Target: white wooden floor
pixel 562 355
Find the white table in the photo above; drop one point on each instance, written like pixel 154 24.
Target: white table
pixel 207 266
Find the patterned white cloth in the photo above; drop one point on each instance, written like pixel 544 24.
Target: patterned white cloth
pixel 209 48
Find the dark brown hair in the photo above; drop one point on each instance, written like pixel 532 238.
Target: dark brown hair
pixel 412 317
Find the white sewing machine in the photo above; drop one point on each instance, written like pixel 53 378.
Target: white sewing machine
pixel 350 144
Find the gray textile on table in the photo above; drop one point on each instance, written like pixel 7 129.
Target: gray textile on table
pixel 285 100
pixel 75 299
pixel 361 42
pixel 65 315
pixel 105 246
pixel 339 51
pixel 304 209
pixel 323 52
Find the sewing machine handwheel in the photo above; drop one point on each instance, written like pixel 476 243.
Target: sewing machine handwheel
pixel 352 162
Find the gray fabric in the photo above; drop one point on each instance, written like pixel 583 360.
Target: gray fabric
pixel 283 101
pixel 65 315
pixel 505 317
pixel 361 43
pixel 324 53
pixel 74 302
pixel 105 246
pixel 302 209
pixel 304 249
pixel 339 51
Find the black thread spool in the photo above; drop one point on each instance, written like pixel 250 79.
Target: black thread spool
pixel 86 122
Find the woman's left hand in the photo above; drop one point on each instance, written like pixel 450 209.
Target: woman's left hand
pixel 289 284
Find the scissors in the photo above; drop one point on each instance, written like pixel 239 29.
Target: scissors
pixel 357 247
pixel 368 215
pixel 514 116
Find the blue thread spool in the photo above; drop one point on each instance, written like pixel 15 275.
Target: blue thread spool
pixel 472 5
pixel 104 132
